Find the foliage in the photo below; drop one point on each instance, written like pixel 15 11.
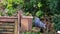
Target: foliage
pixel 55 10
pixel 49 6
pixel 11 12
pixel 39 5
pixel 56 20
pixel 0 13
pixel 39 13
pixel 26 14
pixel 31 6
pixel 11 5
pixel 34 7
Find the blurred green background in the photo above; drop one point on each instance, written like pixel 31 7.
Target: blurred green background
pixel 34 7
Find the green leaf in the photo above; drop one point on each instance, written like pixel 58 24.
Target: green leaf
pixel 9 5
pixel 39 5
pixel 39 13
pixel 9 1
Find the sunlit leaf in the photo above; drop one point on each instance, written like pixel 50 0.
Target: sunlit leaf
pixel 39 5
pixel 39 13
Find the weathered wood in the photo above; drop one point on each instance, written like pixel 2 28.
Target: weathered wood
pixel 6 29
pixel 16 27
pixel 8 19
pixel 26 23
pixel 14 23
pixel 10 24
pixel 7 32
pixel 19 21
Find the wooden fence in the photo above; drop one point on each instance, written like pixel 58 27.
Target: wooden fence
pixel 11 25
pixel 8 25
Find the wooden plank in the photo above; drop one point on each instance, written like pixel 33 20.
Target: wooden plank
pixel 16 27
pixel 6 17
pixel 7 20
pixel 7 26
pixel 7 29
pixel 7 32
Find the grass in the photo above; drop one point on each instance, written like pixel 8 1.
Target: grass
pixel 30 33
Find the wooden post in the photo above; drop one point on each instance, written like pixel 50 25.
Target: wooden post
pixel 16 27
pixel 19 21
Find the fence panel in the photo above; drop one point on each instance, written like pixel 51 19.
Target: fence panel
pixel 8 25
